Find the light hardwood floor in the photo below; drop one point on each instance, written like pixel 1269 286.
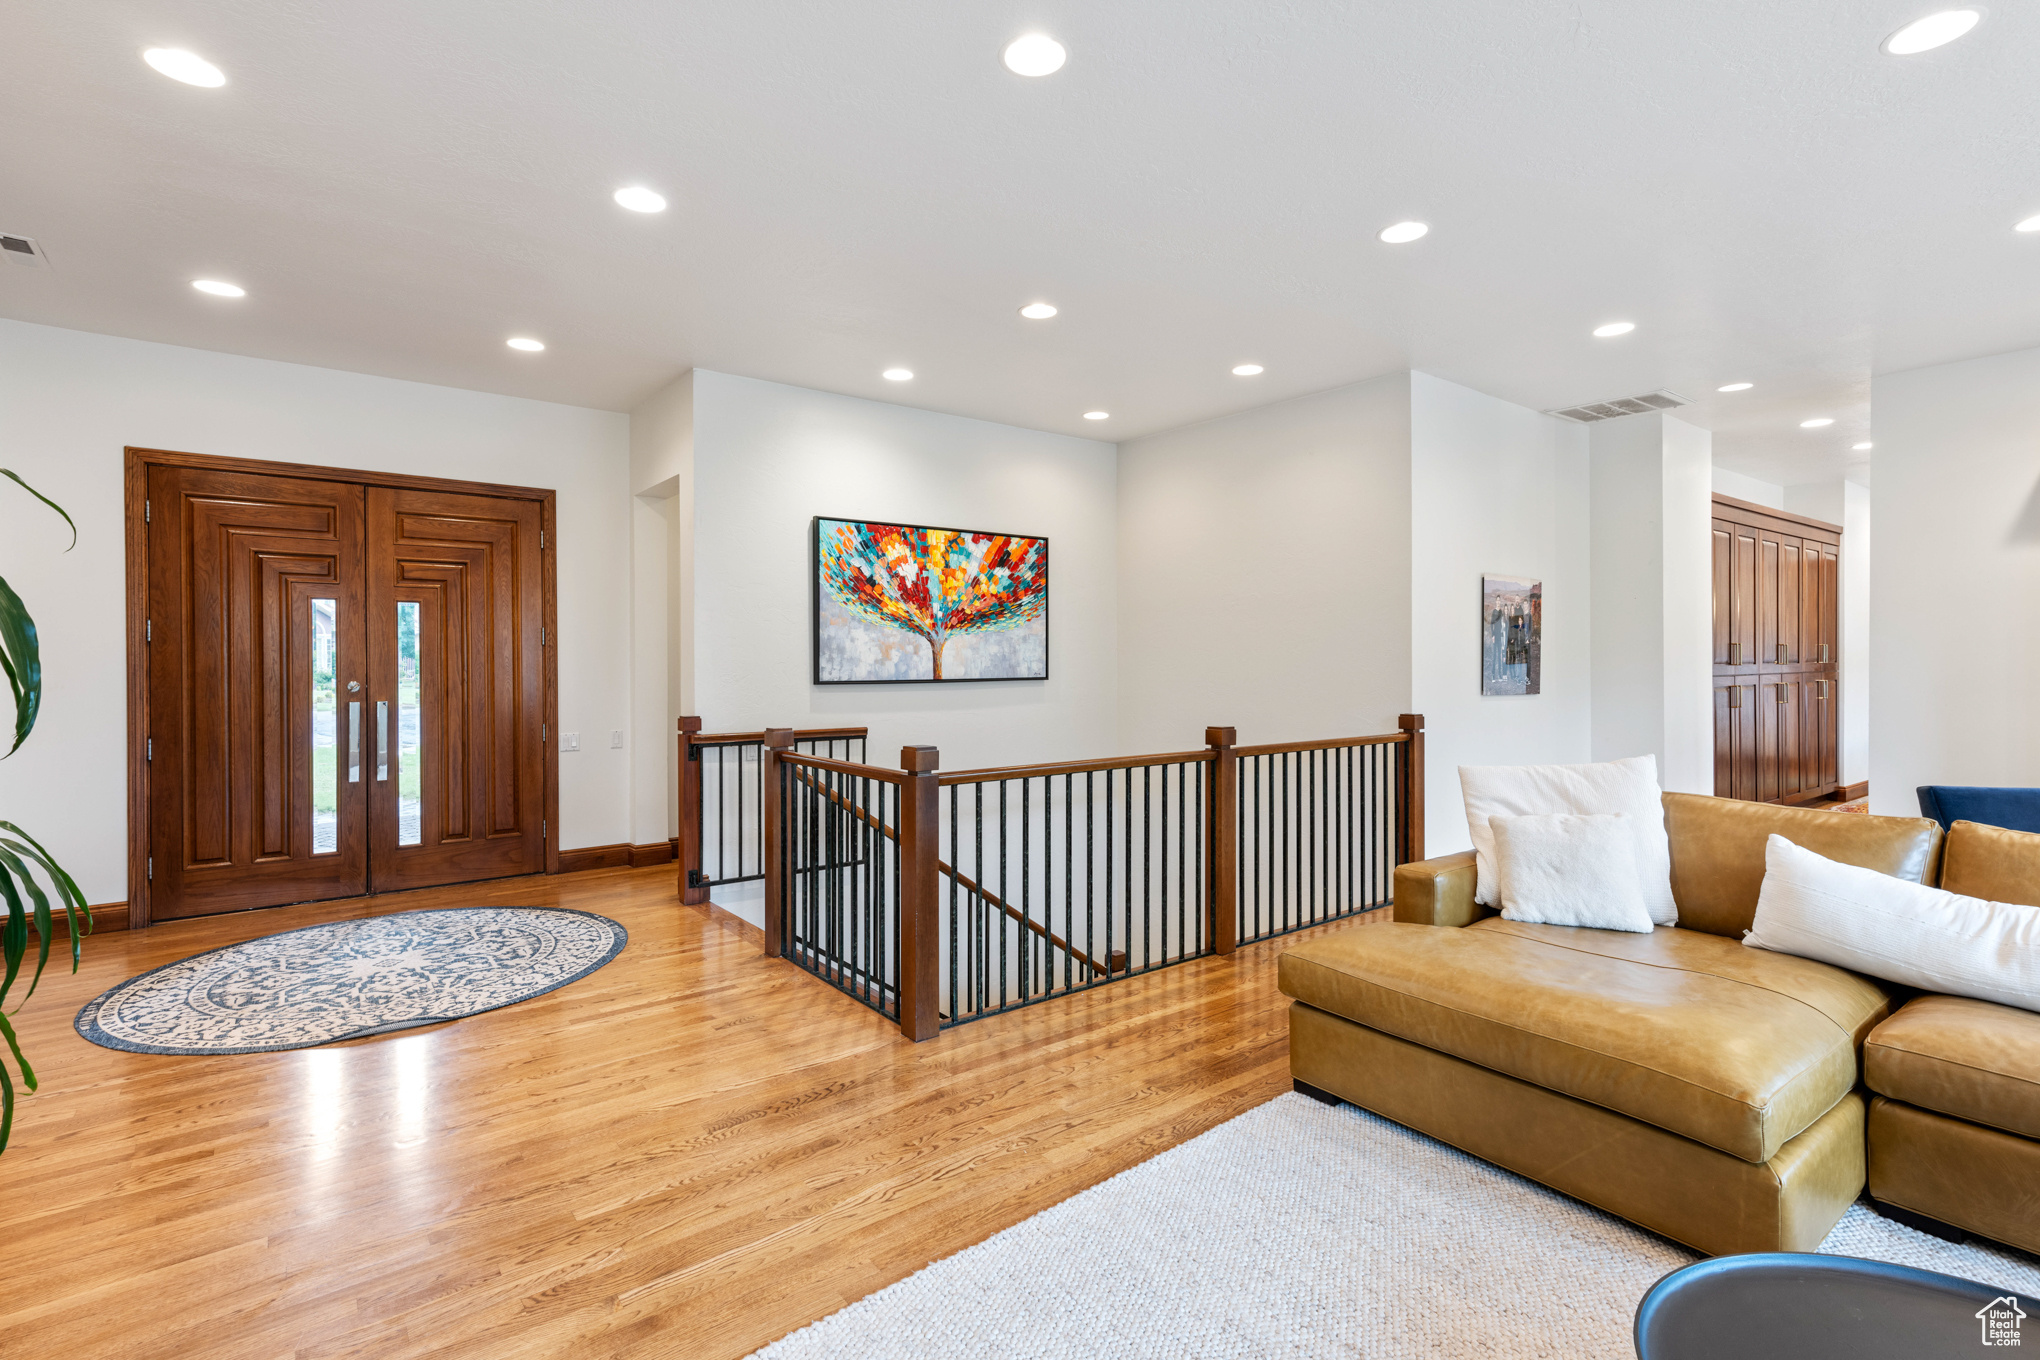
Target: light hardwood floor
pixel 689 1153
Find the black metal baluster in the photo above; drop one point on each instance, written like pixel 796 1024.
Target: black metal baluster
pixel 1069 882
pixel 955 858
pixel 1111 912
pixel 1026 950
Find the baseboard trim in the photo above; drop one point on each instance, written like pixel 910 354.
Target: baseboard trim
pixel 107 916
pixel 1849 793
pixel 621 855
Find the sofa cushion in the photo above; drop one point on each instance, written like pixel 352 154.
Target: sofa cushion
pixel 1718 852
pixel 1972 1059
pixel 1992 863
pixel 1728 1046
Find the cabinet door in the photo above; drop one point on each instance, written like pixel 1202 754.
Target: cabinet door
pixel 1787 651
pixel 1735 741
pixel 1823 712
pixel 1830 603
pixel 1780 764
pixel 1812 606
pixel 1724 555
pixel 1770 554
pixel 1742 599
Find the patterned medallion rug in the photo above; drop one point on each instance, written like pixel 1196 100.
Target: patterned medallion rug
pixel 1300 1230
pixel 348 979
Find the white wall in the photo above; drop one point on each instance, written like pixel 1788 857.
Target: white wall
pixel 1955 573
pixel 1652 494
pixel 69 403
pixel 1745 488
pixel 1264 564
pixel 1498 489
pixel 769 458
pixel 662 618
pixel 1847 504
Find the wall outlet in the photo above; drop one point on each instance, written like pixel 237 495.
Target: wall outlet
pixel 616 740
pixel 570 741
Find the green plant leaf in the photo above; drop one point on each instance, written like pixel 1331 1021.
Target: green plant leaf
pixel 66 886
pixel 21 662
pixel 11 862
pixel 16 479
pixel 6 1104
pixel 13 935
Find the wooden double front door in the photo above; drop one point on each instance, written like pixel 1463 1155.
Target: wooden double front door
pixel 345 688
pixel 1776 654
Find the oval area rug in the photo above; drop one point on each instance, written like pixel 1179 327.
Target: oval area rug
pixel 349 979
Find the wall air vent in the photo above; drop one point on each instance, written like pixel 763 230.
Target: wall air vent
pixel 21 249
pixel 1626 406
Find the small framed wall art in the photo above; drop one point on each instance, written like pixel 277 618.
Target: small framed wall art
pixel 907 603
pixel 1511 635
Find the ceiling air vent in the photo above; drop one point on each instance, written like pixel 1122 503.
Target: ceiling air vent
pixel 1625 406
pixel 21 249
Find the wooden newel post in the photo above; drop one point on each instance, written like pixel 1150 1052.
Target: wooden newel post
pixel 1222 835
pixel 920 927
pixel 777 739
pixel 692 890
pixel 1409 791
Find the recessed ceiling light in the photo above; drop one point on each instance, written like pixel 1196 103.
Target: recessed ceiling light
pixel 219 289
pixel 1402 233
pixel 1735 387
pixel 640 199
pixel 188 67
pixel 1936 30
pixel 1246 370
pixel 2030 224
pixel 1817 423
pixel 1614 328
pixel 898 374
pixel 1038 311
pixel 1863 447
pixel 1097 415
pixel 526 343
pixel 1037 54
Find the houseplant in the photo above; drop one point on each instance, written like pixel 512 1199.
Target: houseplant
pixel 21 856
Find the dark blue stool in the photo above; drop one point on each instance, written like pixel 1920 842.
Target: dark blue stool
pixel 1789 1306
pixel 2014 809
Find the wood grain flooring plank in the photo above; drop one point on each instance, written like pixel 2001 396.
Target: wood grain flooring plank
pixel 688 1153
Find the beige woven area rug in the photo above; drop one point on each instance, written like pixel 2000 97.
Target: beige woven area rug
pixel 1300 1229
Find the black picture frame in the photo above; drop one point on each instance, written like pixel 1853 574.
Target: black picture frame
pixel 815 604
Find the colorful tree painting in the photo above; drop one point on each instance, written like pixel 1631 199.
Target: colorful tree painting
pixel 936 584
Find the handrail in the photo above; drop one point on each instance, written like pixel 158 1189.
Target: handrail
pixel 758 738
pixel 945 867
pixel 997 772
pixel 1332 744
pixel 849 767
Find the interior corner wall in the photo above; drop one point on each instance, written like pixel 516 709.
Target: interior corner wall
pixel 1954 572
pixel 1652 501
pixel 1847 504
pixel 70 401
pixel 1495 489
pixel 1746 488
pixel 662 486
pixel 769 458
pixel 1264 562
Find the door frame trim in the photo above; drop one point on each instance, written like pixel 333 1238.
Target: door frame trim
pixel 135 494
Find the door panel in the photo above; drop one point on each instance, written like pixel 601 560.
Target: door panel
pixel 1788 651
pixel 1735 741
pixel 456 608
pixel 1723 553
pixel 255 628
pixel 1742 634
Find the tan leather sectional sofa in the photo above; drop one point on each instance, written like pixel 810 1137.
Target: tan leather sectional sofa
pixel 1704 1090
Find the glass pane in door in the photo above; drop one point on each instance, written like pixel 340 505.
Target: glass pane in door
pixel 325 730
pixel 409 828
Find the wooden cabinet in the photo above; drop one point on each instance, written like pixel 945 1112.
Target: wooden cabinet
pixel 1776 666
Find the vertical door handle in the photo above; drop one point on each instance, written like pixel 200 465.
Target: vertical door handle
pixel 1823 651
pixel 354 741
pixel 1735 654
pixel 382 739
pixel 1781 653
pixel 1735 696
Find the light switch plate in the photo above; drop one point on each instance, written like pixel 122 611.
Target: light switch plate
pixel 616 740
pixel 570 741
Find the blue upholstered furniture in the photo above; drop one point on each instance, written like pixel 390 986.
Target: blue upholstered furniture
pixel 2014 809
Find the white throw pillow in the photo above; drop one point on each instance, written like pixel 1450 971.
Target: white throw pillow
pixel 1570 869
pixel 1629 787
pixel 1899 931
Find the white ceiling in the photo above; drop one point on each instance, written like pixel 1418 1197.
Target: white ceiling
pixel 401 186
